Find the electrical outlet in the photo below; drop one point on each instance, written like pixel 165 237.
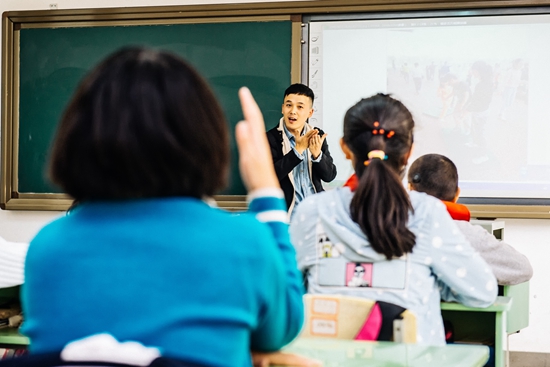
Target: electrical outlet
pixel 53 6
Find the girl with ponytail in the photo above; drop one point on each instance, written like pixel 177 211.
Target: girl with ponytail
pixel 409 248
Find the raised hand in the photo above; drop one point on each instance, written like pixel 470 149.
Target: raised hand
pixel 255 161
pixel 315 144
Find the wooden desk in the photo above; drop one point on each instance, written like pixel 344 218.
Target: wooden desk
pixel 481 325
pixel 350 353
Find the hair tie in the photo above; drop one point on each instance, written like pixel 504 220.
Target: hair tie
pixel 375 154
pixel 381 131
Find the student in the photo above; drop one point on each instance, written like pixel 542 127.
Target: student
pixel 300 153
pixel 140 256
pixel 416 253
pixel 437 175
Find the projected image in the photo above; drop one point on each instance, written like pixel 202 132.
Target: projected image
pixel 469 93
pixel 467 110
pixel 478 89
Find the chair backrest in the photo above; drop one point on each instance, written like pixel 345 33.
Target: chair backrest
pixel 405 331
pixel 344 317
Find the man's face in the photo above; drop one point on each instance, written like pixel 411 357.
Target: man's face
pixel 296 110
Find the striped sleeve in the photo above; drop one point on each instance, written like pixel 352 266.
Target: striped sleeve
pixel 268 205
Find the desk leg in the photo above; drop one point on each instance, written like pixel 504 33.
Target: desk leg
pixel 507 350
pixel 500 339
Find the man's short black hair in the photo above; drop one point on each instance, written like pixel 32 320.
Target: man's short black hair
pixel 435 175
pixel 301 90
pixel 142 124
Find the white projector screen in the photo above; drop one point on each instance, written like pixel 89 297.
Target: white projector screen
pixel 478 87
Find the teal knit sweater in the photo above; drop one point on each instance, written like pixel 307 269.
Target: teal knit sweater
pixel 202 285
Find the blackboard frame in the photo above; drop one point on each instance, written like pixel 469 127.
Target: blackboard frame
pixel 10 196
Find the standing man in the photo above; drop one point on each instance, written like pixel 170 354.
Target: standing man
pixel 300 152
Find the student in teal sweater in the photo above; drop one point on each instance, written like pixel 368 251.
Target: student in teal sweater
pixel 144 256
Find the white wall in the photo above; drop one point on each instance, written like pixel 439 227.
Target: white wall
pixel 531 237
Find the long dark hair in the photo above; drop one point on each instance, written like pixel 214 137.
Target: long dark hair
pixel 381 205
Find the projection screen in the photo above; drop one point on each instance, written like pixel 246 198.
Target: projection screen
pixel 477 83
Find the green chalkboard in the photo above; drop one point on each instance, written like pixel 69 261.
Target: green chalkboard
pixel 229 55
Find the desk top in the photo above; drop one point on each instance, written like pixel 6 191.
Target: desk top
pixel 12 336
pixel 489 225
pixel 350 353
pixel 501 304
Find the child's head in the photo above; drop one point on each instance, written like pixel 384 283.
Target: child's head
pixel 143 123
pixel 378 137
pixel 297 106
pixel 436 175
pixel 379 123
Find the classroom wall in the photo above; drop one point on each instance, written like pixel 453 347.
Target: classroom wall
pixel 531 237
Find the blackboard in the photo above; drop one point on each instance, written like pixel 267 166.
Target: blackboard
pixel 256 54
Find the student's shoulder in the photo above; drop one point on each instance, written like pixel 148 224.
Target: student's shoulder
pixel 328 195
pixel 477 235
pixel 466 226
pixel 329 201
pixel 428 214
pixel 424 204
pixel 52 233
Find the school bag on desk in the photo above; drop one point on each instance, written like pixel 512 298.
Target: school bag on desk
pixel 353 318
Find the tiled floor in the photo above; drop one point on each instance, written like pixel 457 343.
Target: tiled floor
pixel 527 359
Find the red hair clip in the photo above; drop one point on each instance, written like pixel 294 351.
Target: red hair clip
pixel 381 131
